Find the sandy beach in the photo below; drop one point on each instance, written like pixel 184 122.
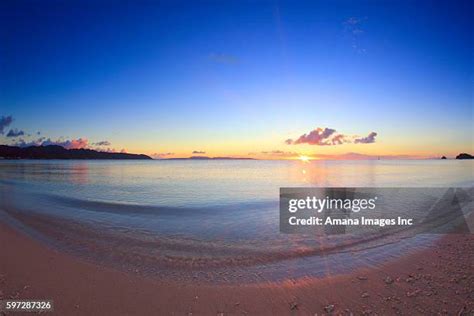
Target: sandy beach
pixel 436 281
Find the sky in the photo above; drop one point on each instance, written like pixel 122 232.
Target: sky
pixel 261 79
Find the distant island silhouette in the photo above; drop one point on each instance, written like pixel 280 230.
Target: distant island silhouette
pixel 59 152
pixel 464 156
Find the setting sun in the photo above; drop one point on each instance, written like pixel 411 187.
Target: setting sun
pixel 304 158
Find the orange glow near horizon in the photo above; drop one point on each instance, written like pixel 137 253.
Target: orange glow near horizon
pixel 270 150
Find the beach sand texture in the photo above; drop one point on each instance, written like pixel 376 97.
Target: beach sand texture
pixel 435 281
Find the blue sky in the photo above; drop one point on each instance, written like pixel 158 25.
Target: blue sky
pixel 232 78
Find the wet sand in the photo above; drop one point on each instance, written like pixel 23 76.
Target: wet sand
pixel 435 281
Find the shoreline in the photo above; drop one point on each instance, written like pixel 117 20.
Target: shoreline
pixel 437 280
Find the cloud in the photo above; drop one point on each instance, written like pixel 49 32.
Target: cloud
pixel 15 133
pixel 280 153
pixel 22 143
pixel 107 150
pixel 366 140
pixel 329 137
pixel 339 139
pixel 161 155
pixel 320 137
pixel 354 27
pixel 43 141
pixel 79 143
pixel 68 144
pixel 102 143
pixel 223 59
pixel 353 23
pixel 198 152
pixel 5 121
pixel 273 152
pixel 358 156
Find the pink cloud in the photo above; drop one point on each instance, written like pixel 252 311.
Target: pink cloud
pixel 76 144
pixel 68 144
pixel 328 137
pixel 42 141
pixel 320 137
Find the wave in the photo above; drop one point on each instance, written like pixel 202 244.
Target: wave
pixel 159 252
pixel 129 208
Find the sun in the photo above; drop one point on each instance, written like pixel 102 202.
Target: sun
pixel 304 158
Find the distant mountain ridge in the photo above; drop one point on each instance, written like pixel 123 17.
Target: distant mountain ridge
pixel 59 152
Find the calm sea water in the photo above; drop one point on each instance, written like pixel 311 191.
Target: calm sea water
pixel 207 220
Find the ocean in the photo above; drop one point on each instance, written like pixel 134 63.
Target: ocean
pixel 206 220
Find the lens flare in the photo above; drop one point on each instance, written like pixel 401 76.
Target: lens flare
pixel 304 158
